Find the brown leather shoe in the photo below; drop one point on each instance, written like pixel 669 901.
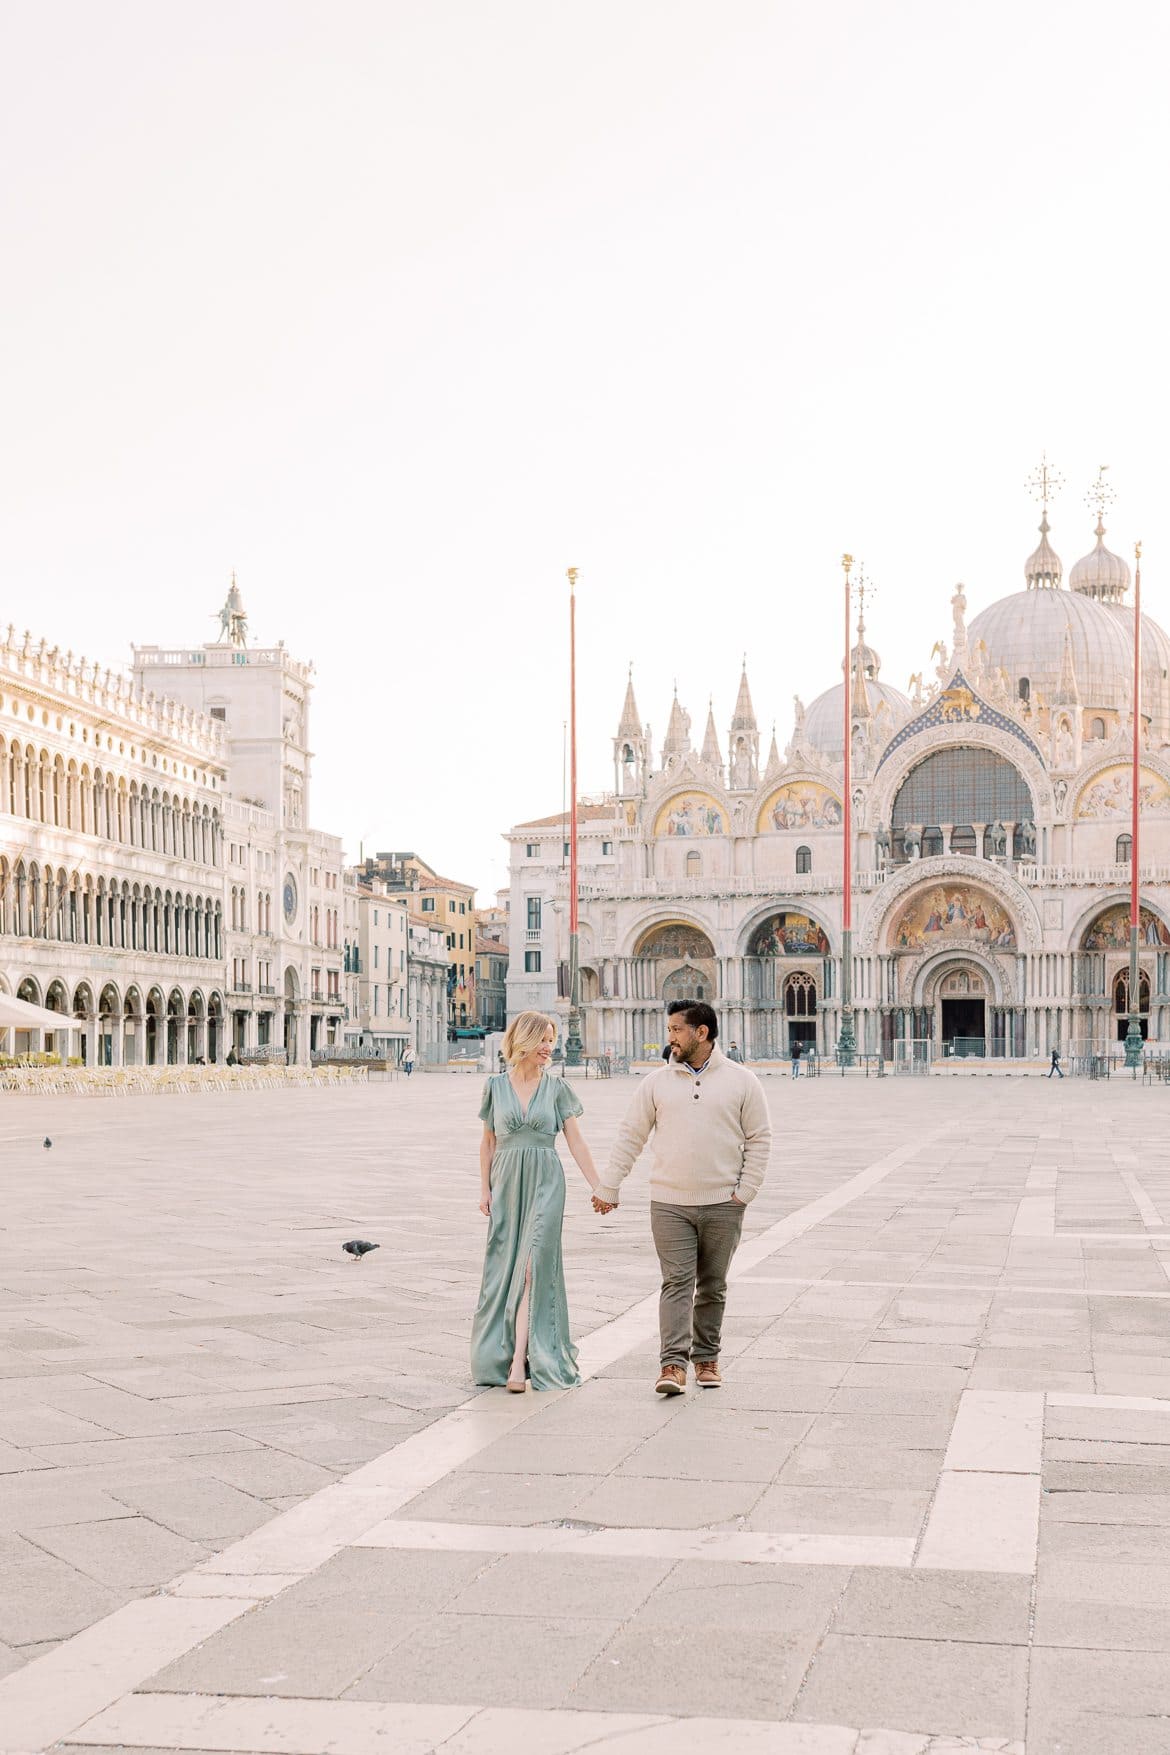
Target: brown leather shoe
pixel 708 1374
pixel 672 1380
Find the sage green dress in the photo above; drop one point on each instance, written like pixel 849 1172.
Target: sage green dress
pixel 528 1208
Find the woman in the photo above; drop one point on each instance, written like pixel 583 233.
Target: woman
pixel 521 1327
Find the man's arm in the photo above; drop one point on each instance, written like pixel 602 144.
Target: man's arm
pixel 757 1141
pixel 633 1133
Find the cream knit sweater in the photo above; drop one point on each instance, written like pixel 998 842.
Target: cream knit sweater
pixel 706 1148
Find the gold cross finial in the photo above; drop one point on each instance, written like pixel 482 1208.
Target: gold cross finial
pixel 1044 484
pixel 862 588
pixel 571 576
pixel 1100 497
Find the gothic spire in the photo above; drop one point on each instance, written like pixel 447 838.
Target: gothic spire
pixel 744 717
pixel 711 756
pixel 630 725
pixel 678 731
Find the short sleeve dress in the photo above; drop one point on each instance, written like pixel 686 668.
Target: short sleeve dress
pixel 528 1209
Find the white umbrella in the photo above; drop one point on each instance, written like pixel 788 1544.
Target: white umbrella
pixel 17 1014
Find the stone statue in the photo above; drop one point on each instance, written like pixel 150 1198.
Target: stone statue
pixel 1060 790
pixel 881 848
pixel 1028 840
pixel 915 686
pixel 912 843
pixel 959 614
pixel 997 840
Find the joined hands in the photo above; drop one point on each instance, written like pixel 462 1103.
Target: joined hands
pixel 604 1206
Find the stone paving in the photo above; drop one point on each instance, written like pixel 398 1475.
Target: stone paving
pixel 250 1501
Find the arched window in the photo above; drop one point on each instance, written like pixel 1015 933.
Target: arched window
pixel 1123 851
pixel 963 786
pixel 800 996
pixel 963 839
pixel 1024 689
pixel 804 859
pixel 694 863
pixel 932 843
pixel 1097 728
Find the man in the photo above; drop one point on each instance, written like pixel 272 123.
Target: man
pixel 712 1136
pixel 735 1052
pixel 408 1060
pixel 1055 1067
pixel 794 1051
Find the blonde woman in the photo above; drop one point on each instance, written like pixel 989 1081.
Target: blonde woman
pixel 521 1328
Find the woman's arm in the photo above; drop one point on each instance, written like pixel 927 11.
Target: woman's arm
pixel 487 1151
pixel 575 1140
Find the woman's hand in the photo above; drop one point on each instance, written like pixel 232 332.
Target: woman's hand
pixel 485 1206
pixel 604 1206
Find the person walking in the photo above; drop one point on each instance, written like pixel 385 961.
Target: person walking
pixel 712 1137
pixel 1055 1066
pixel 520 1333
pixel 408 1060
pixel 735 1052
pixel 794 1051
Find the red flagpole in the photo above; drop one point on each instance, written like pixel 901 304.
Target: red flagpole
pixel 1134 917
pixel 573 1043
pixel 846 1039
pixel 1133 1034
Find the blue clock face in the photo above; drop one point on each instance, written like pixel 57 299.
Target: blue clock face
pixel 290 898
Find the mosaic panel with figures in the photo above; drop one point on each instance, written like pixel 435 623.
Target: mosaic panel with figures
pixel 693 814
pixel 1110 794
pixel 802 804
pixel 952 911
pixel 788 935
pixel 1110 930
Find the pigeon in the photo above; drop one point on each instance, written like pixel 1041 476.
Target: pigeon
pixel 47 1142
pixel 357 1247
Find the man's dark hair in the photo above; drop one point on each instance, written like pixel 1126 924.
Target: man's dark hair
pixel 676 1006
pixel 696 1012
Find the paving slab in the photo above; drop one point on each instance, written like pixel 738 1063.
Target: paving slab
pixel 849 1532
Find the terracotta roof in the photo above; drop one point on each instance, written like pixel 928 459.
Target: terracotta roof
pixel 485 947
pixel 586 813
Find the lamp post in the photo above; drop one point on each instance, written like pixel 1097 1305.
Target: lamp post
pixel 846 1040
pixel 573 1038
pixel 1133 1034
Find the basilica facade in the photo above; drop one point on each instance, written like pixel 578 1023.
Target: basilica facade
pixel 991 817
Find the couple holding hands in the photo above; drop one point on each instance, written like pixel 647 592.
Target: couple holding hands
pixel 712 1136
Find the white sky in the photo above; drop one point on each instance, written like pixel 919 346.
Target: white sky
pixel 401 309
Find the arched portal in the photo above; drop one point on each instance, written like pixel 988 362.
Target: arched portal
pixel 176 1012
pixel 960 1010
pixel 800 1007
pixel 1121 1004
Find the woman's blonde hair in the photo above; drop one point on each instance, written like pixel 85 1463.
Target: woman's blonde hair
pixel 525 1034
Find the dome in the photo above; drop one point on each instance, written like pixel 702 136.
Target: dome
pixel 824 725
pixel 1025 634
pixel 1101 574
pixel 1155 668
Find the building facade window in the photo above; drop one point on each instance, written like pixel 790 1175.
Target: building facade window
pixel 1123 851
pixel 804 859
pixel 532 962
pixel 532 851
pixel 534 913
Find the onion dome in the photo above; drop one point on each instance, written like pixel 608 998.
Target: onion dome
pixel 1100 574
pixel 1042 569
